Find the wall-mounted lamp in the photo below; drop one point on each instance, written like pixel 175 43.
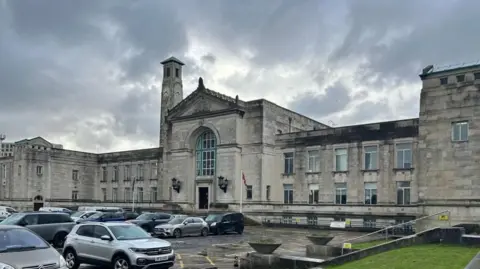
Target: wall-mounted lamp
pixel 176 185
pixel 223 183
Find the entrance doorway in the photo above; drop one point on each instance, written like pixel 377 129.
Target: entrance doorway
pixel 37 202
pixel 202 197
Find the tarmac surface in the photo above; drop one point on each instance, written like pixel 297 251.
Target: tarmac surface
pixel 220 250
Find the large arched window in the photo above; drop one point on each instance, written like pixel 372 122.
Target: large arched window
pixel 205 150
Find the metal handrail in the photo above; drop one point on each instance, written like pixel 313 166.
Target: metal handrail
pixel 397 225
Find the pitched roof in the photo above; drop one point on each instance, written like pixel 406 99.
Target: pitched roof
pixel 172 59
pixel 201 89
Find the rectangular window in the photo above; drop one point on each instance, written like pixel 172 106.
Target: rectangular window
pixel 341 193
pixel 288 165
pixel 460 131
pixel 287 193
pixel 476 75
pixel 268 193
pixel 140 172
pixel 404 155
pixel 370 193
pixel 115 173
pixel 104 174
pixel 341 160
pixel 104 194
pixel 139 194
pixel 403 192
pixel 74 195
pixel 19 170
pixel 312 220
pixel 128 195
pixel 39 170
pixel 154 170
pixel 369 223
pixel 249 192
pixel 460 78
pixel 168 72
pixel 313 195
pixel 177 72
pixel 444 81
pixel 313 161
pixel 370 157
pixel 153 194
pixel 127 173
pixel 114 194
pixel 74 175
pixel 287 220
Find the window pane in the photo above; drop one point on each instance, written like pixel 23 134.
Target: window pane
pixel 399 159
pixel 407 196
pixel 464 132
pixel 399 196
pixel 403 146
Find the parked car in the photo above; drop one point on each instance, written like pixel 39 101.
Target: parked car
pixel 178 227
pixel 104 217
pixel 79 215
pixel 6 211
pixel 130 215
pixel 21 248
pixel 225 223
pixel 117 245
pixel 100 208
pixel 51 226
pixel 56 209
pixel 148 221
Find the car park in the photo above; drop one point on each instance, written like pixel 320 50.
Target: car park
pixel 148 221
pixel 178 227
pixel 117 245
pixel 56 209
pixel 51 226
pixel 101 208
pixel 21 248
pixel 225 223
pixel 104 217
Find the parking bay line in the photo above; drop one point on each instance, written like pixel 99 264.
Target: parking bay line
pixel 209 260
pixel 179 257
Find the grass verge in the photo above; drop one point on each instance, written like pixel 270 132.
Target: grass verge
pixel 429 256
pixel 369 244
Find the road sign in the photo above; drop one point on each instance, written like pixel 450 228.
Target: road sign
pixel 443 217
pixel 347 245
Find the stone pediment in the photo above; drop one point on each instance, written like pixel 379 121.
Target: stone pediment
pixel 204 102
pixel 37 141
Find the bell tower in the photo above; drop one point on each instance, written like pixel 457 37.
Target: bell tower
pixel 172 92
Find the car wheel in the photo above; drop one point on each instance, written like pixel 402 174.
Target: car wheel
pixel 177 233
pixel 71 259
pixel 204 232
pixel 59 239
pixel 121 262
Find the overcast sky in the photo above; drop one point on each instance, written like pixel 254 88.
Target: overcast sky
pixel 86 73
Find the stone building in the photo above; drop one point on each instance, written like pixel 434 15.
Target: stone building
pixel 217 153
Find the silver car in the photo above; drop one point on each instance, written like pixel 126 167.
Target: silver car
pixel 116 244
pixel 21 248
pixel 178 227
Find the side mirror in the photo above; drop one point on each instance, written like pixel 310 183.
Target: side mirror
pixel 185 223
pixel 106 238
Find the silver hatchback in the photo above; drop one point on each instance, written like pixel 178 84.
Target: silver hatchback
pixel 118 245
pixel 178 227
pixel 21 248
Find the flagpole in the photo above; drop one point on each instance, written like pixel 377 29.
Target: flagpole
pixel 241 190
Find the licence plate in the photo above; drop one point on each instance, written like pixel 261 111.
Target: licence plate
pixel 161 258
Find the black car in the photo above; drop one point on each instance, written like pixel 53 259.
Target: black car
pixel 225 223
pixel 148 221
pixel 130 215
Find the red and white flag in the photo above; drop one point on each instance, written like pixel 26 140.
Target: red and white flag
pixel 244 179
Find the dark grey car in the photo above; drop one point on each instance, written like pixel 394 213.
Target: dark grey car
pixel 51 226
pixel 148 221
pixel 21 248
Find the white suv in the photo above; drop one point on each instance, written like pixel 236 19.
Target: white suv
pixel 118 245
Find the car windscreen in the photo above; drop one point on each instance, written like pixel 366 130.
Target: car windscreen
pixel 176 221
pixel 147 216
pixel 15 240
pixel 13 219
pixel 78 214
pixel 213 218
pixel 96 215
pixel 128 232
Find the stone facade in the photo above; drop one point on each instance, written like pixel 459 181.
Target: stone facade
pixel 292 166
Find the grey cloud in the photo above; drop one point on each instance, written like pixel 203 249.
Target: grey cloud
pixel 209 58
pixel 335 99
pixel 367 112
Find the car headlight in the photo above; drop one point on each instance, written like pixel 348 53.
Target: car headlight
pixel 137 250
pixel 213 224
pixel 62 262
pixel 6 266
